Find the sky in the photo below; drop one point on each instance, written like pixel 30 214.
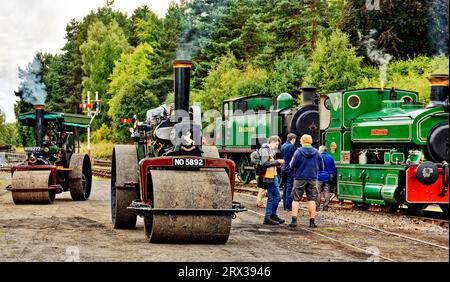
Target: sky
pixel 27 26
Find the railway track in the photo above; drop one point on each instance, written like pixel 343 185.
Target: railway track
pixel 436 218
pixel 362 250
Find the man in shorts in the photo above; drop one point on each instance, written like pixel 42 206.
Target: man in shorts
pixel 306 164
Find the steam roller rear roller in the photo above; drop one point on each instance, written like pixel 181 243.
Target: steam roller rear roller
pixel 35 186
pixel 186 193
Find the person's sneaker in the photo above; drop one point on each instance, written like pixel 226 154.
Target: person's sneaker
pixel 269 221
pixel 277 218
pixel 293 222
pixel 261 206
pixel 325 208
pixel 312 224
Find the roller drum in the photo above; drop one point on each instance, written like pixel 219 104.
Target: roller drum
pixel 204 189
pixel 29 180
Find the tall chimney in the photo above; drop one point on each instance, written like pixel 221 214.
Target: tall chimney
pixel 438 90
pixel 182 79
pixel 39 128
pixel 309 95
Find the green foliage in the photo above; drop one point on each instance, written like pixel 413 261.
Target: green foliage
pixel 334 64
pixel 103 47
pixel 8 131
pixel 129 86
pixel 287 75
pixel 226 81
pixel 410 74
pixel 105 133
pixel 403 27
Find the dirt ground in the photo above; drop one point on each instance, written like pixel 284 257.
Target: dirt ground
pixel 82 231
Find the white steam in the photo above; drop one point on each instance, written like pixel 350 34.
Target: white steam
pixel 376 55
pixel 31 86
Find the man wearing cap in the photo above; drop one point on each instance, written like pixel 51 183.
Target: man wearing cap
pixel 287 152
pixel 325 178
pixel 306 164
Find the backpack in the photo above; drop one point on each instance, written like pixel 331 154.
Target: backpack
pixel 255 157
pixel 255 160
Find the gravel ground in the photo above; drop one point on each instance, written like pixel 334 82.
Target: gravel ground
pixel 70 230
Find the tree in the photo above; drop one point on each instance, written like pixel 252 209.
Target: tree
pixel 128 89
pixel 8 132
pixel 227 81
pixel 287 75
pixel 103 47
pixel 334 64
pixel 401 26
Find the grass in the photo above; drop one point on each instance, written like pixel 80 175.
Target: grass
pixel 99 151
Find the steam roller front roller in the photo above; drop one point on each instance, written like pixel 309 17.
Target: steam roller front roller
pixel 124 186
pixel 80 177
pixel 35 186
pixel 183 195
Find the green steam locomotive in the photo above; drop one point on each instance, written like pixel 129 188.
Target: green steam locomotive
pixel 390 150
pixel 247 122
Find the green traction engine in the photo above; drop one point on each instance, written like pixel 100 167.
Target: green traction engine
pixel 389 149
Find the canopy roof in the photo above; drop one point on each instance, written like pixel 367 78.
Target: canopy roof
pixel 29 119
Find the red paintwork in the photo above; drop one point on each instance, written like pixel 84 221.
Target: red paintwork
pixel 416 192
pixel 52 186
pixel 146 164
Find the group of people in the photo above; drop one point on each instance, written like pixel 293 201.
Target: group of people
pixel 304 170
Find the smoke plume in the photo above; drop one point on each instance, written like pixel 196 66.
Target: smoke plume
pixel 32 88
pixel 376 55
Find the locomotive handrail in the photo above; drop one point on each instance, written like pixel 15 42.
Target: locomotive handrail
pixel 381 118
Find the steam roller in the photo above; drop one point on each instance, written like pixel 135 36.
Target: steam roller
pixel 183 190
pixel 52 166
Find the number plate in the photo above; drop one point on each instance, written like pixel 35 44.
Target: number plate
pixel 33 149
pixel 181 162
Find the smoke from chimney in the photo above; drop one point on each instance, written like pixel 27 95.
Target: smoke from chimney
pixel 31 87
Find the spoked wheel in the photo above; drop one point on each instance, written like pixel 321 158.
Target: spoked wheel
pixel 81 177
pixel 244 175
pixel 124 170
pixel 362 206
pixel 445 209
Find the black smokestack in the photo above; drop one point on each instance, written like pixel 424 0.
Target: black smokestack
pixel 438 90
pixel 182 79
pixel 309 95
pixel 39 128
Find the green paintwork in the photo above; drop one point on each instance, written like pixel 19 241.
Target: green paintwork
pixel 376 121
pixel 374 184
pixel 239 128
pixel 401 125
pixel 285 101
pixel 72 120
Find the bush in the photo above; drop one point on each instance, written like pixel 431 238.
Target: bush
pixel 334 64
pixel 410 74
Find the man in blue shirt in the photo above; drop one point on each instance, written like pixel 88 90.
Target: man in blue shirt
pixel 306 164
pixel 325 178
pixel 287 152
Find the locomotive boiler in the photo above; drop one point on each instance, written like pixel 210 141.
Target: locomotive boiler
pixel 247 122
pixel 390 150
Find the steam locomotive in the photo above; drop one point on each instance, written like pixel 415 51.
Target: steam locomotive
pixel 390 150
pixel 247 123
